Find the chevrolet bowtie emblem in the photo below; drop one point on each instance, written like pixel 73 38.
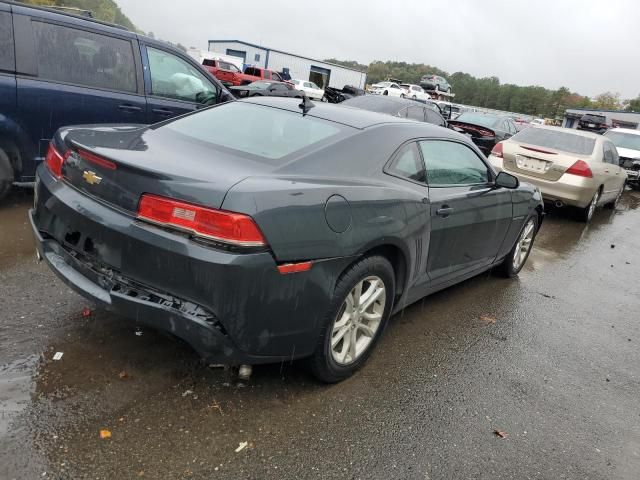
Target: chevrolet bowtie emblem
pixel 91 178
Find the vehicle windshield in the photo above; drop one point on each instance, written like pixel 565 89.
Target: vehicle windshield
pixel 229 66
pixel 488 121
pixel 384 84
pixel 624 140
pixel 557 140
pixel 270 133
pixel 594 118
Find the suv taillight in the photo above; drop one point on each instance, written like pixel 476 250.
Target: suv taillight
pixel 218 225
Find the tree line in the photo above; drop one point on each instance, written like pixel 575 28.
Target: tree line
pixel 105 10
pixel 488 92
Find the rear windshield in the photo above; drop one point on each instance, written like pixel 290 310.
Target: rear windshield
pixel 557 140
pixel 477 118
pixel 624 140
pixel 594 118
pixel 373 103
pixel 267 132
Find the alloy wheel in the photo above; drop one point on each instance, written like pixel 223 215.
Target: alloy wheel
pixel 592 205
pixel 524 245
pixel 358 320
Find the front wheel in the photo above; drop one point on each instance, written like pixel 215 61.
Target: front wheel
pixel 414 98
pixel 385 93
pixel 402 95
pixel 357 315
pixel 519 254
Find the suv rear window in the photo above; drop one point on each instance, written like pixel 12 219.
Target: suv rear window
pixel 558 140
pixel 6 42
pixel 271 133
pixel 75 56
pixel 594 118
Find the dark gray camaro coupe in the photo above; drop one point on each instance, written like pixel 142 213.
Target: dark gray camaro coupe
pixel 258 231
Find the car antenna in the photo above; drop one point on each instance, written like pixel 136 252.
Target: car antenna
pixel 306 105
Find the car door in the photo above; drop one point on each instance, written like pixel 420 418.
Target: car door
pixel 614 176
pixel 278 90
pixel 469 217
pixel 71 72
pixel 174 84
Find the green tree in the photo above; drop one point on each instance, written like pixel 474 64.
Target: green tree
pixel 106 10
pixel 633 104
pixel 607 101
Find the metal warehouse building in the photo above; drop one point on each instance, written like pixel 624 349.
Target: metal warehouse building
pixel 321 73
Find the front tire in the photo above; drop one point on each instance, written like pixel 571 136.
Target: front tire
pixel 414 98
pixel 519 254
pixel 357 316
pixel 6 174
pixel 385 93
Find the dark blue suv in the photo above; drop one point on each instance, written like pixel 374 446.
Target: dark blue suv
pixel 58 69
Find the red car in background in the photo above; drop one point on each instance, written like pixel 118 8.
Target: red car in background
pixel 230 75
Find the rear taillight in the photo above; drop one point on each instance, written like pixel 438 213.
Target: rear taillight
pixel 219 225
pixel 97 160
pixel 581 169
pixel 496 151
pixel 54 161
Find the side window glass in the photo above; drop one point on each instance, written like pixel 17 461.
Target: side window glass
pixel 608 154
pixel 7 59
pixel 452 163
pixel 276 76
pixel 433 117
pixel 175 78
pixel 416 113
pixel 408 164
pixel 616 157
pixel 75 56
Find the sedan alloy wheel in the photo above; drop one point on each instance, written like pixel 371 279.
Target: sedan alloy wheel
pixel 525 242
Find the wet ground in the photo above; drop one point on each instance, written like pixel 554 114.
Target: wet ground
pixel 552 359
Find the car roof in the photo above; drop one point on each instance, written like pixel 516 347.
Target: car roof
pixel 491 115
pixel 350 116
pixel 632 131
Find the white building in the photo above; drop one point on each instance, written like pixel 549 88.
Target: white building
pixel 321 73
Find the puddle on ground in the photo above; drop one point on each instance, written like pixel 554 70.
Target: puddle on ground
pixel 16 386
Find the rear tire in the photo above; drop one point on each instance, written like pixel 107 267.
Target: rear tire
pixel 517 257
pixel 6 174
pixel 586 214
pixel 414 98
pixel 385 93
pixel 348 319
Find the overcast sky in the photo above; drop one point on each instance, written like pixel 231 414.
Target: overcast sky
pixel 588 46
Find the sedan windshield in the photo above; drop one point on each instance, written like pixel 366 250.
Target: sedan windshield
pixel 624 140
pixel 557 140
pixel 384 84
pixel 266 132
pixel 488 121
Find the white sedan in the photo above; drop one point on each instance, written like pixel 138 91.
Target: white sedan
pixel 386 88
pixel 310 89
pixel 415 92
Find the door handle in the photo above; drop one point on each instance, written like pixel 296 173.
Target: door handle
pixel 129 108
pixel 444 211
pixel 163 111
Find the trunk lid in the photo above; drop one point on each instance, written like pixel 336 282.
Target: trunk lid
pixel 534 161
pixel 117 164
pixel 476 131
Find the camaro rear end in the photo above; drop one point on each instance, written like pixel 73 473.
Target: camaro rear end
pixel 258 232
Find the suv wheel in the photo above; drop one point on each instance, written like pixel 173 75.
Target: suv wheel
pixel 6 174
pixel 358 313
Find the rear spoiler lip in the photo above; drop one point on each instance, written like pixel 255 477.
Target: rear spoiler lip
pixel 458 123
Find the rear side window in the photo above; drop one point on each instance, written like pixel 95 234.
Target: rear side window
pixel 556 139
pixel 7 59
pixel 408 164
pixel 434 117
pixel 266 132
pixel 451 163
pixel 75 56
pixel 252 71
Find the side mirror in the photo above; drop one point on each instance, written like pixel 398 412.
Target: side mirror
pixel 506 180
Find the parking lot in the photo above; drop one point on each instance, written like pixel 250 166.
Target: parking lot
pixel 550 359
